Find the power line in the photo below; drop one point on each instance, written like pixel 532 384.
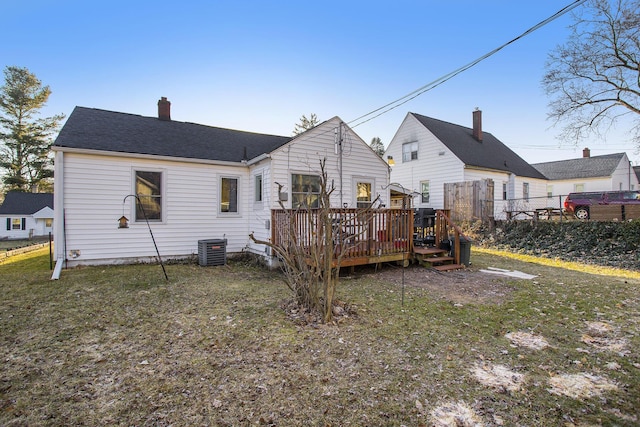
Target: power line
pixel 429 86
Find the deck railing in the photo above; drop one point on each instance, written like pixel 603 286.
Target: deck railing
pixel 356 233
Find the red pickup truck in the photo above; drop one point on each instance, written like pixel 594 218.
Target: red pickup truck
pixel 578 203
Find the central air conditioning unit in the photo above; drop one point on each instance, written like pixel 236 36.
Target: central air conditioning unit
pixel 212 252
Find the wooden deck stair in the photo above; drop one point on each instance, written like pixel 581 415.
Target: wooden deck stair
pixel 435 258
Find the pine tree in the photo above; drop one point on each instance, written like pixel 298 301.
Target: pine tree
pixel 26 139
pixel 377 146
pixel 305 124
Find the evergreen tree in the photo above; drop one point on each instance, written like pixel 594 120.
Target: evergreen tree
pixel 377 146
pixel 305 124
pixel 25 139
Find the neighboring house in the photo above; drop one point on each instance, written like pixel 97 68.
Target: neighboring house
pixel 610 172
pixel 428 153
pixel 26 215
pixel 194 182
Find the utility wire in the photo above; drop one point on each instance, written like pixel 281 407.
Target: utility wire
pixel 432 85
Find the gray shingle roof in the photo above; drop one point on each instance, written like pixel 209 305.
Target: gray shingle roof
pixel 20 203
pixel 584 167
pixel 490 153
pixel 94 129
pixel 636 169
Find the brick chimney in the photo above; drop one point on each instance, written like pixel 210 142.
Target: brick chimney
pixel 586 153
pixel 164 109
pixel 477 124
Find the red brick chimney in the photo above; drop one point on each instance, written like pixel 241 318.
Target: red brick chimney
pixel 586 153
pixel 477 125
pixel 164 109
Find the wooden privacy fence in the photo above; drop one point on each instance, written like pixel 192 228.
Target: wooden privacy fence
pixel 614 212
pixel 361 236
pixel 469 200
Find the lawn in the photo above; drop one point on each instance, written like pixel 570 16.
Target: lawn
pixel 219 346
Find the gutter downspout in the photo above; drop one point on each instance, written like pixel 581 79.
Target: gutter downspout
pixel 59 229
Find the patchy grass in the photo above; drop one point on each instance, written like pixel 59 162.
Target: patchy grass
pixel 118 345
pixel 567 265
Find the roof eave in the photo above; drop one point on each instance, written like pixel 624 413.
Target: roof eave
pixel 146 156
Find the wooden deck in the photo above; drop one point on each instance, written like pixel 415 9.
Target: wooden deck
pixel 368 236
pixel 359 236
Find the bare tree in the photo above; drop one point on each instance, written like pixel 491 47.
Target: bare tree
pixel 312 245
pixel 594 78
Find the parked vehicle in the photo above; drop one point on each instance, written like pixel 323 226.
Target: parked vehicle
pixel 579 203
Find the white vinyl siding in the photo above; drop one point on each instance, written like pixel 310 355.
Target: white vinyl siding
pixel 303 156
pixel 435 163
pixel 91 188
pixel 94 188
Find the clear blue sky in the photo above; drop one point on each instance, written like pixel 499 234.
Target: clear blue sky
pixel 260 65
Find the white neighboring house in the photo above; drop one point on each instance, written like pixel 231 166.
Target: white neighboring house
pixel 26 215
pixel 428 153
pixel 610 172
pixel 194 182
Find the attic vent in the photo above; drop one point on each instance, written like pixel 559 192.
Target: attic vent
pixel 212 252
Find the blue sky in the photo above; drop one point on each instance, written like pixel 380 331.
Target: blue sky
pixel 260 65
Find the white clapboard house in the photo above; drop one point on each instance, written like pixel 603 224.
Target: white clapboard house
pixel 192 182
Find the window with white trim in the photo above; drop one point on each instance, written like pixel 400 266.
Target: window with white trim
pixel 424 191
pixel 257 188
pixel 149 192
pixel 363 194
pixel 409 151
pixel 228 195
pixel 305 191
pixel 525 191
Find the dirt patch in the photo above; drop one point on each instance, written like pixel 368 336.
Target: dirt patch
pixel 601 335
pixel 525 339
pixel 462 286
pixel 580 386
pixel 498 376
pixel 457 414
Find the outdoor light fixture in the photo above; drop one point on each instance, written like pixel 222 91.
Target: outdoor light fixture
pixel 390 161
pixel 123 222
